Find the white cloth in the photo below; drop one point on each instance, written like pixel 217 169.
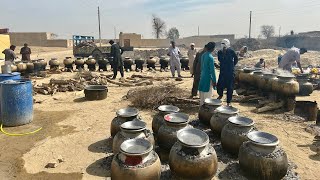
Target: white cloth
pixel 205 95
pixel 175 65
pixel 174 54
pixel 289 58
pixel 225 43
pixel 191 56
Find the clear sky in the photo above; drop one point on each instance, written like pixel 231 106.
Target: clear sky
pixel 68 17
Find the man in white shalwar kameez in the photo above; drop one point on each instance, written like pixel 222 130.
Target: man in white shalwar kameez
pixel 191 55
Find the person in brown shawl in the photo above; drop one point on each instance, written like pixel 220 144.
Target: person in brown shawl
pixel 25 52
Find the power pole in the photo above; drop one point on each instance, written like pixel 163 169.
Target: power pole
pixel 279 31
pixel 198 31
pixel 99 26
pixel 250 25
pixel 115 34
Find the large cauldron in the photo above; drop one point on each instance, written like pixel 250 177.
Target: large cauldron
pixel 131 130
pixel 192 157
pixel 91 62
pixel 286 85
pixel 22 67
pixel 139 64
pixel 167 134
pixel 158 119
pixel 262 158
pixel 207 110
pixel 184 63
pixel 95 92
pixel 238 71
pixel 151 63
pixel 43 63
pixel 54 63
pixel 266 81
pixel 136 161
pixel 235 133
pixel 256 78
pixel 123 115
pixel 220 118
pixel 127 64
pixel 305 87
pixel 245 77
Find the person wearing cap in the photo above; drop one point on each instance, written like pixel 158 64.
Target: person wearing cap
pixel 25 52
pixel 9 55
pixel 191 55
pixel 228 59
pixel 197 71
pixel 291 57
pixel 208 74
pixel 116 53
pixel 175 63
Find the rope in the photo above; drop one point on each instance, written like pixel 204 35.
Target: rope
pixel 13 134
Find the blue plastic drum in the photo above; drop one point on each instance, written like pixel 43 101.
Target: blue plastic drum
pixel 11 76
pixel 16 102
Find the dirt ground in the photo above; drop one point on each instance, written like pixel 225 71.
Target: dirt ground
pixel 78 132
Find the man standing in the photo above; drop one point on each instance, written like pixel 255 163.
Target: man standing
pixel 191 55
pixel 197 71
pixel 208 74
pixel 228 59
pixel 10 56
pixel 291 57
pixel 174 54
pixel 25 52
pixel 116 53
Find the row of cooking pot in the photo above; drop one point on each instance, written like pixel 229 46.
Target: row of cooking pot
pixel 287 84
pixel 191 154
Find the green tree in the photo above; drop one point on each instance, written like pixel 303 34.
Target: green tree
pixel 173 33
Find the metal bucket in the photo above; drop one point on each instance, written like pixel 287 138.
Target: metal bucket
pixel 16 102
pixel 6 69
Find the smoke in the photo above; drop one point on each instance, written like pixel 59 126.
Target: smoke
pixel 281 72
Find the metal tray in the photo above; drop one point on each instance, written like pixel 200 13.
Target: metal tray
pixel 227 110
pixel 134 125
pixel 178 118
pixel 136 147
pixel 213 102
pixel 241 121
pixel 168 108
pixel 192 137
pixel 263 138
pixel 127 112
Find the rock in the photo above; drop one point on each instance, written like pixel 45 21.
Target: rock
pixel 52 164
pixel 60 159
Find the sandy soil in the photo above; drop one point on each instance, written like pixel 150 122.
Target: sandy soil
pixel 78 132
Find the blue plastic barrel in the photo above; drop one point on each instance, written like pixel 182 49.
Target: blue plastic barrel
pixel 11 76
pixel 16 102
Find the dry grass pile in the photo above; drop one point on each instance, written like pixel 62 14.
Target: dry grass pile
pixel 154 96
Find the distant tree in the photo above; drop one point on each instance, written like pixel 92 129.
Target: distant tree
pixel 292 32
pixel 53 36
pixel 173 33
pixel 267 31
pixel 158 26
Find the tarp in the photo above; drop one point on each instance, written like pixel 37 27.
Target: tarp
pixel 4 44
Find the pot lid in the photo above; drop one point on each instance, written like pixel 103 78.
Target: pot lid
pixel 192 137
pixel 134 125
pixel 177 118
pixel 213 102
pixel 263 138
pixel 227 110
pixel 257 72
pixel 241 121
pixel 168 108
pixel 127 112
pixel 136 147
pixel 95 88
pixel 286 76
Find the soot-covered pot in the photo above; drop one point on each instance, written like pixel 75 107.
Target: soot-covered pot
pixel 206 111
pixel 238 71
pixel 246 75
pixel 262 158
pixel 68 61
pixel 132 130
pixel 54 62
pixel 123 115
pixel 167 134
pixel 21 67
pixel 266 81
pixel 79 61
pixel 137 161
pixel 220 118
pixel 192 157
pixel 234 134
pixel 305 87
pixel 256 78
pixel 95 92
pixel 152 60
pixel 30 67
pixel 286 85
pixel 158 119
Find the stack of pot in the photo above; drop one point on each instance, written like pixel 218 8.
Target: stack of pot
pixel 158 119
pixel 206 111
pixel 123 115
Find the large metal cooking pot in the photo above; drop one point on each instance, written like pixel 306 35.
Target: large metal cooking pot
pixel 14 68
pixel 220 118
pixel 151 60
pixel 286 85
pixel 167 134
pixel 235 133
pixel 246 76
pixel 21 67
pixel 136 160
pixel 43 64
pixel 262 158
pixel 123 115
pixel 30 67
pixel 256 78
pixel 131 130
pixel 206 111
pixel 54 62
pixel 192 157
pixel 95 92
pixel 158 119
pixel 68 61
pixel 305 87
pixel 79 61
pixel 266 81
pixel 6 69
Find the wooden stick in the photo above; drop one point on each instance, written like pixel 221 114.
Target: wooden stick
pixel 270 107
pixel 119 83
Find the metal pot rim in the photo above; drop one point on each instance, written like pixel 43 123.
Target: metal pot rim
pixel 168 108
pixel 127 112
pixel 263 139
pixel 133 126
pixel 96 88
pixel 241 121
pixel 194 138
pixel 227 110
pixel 176 118
pixel 145 147
pixel 213 102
